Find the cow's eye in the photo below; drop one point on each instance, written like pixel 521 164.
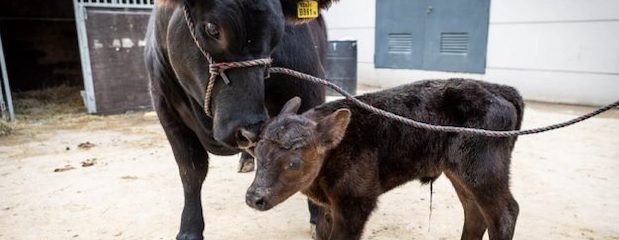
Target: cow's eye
pixel 212 30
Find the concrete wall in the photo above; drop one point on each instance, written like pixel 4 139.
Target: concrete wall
pixel 551 50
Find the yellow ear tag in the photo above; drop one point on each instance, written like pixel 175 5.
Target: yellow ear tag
pixel 307 9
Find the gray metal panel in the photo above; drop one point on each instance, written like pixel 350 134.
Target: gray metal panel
pixel 4 85
pixel 80 7
pixel 400 33
pixel 341 66
pixel 116 49
pixel 457 35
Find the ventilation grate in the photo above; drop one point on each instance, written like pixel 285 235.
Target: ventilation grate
pixel 454 43
pixel 400 43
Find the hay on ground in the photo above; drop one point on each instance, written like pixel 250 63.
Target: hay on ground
pixel 48 103
pixel 5 129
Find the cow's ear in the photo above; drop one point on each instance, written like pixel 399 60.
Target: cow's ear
pixel 291 107
pixel 332 128
pixel 291 9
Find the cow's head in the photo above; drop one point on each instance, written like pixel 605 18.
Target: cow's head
pixel 291 152
pixel 230 31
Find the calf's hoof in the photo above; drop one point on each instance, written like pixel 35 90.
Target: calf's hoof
pixel 189 236
pixel 246 165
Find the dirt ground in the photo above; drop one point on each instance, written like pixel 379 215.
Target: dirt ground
pixel 122 183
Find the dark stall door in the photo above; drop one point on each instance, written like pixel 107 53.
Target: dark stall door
pixel 116 46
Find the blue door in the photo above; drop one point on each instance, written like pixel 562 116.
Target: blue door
pixel 447 35
pixel 457 35
pixel 400 33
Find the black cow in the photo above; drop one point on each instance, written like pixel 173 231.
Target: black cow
pixel 344 157
pixel 230 31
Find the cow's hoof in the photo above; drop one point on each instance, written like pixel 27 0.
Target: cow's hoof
pixel 313 230
pixel 246 165
pixel 189 236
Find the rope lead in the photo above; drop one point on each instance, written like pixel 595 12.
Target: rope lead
pixel 216 69
pixel 439 128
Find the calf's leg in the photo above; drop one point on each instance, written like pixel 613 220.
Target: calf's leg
pixel 500 213
pixel 487 178
pixel 349 216
pixel 474 223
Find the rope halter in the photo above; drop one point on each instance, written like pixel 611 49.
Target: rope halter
pixel 219 69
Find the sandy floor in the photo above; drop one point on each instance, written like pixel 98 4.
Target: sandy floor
pixel 564 181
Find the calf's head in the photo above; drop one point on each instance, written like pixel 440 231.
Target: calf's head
pixel 229 31
pixel 291 151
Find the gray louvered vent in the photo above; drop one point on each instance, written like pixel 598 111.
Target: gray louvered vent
pixel 400 43
pixel 454 43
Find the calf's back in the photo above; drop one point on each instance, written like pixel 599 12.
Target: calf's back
pixel 378 154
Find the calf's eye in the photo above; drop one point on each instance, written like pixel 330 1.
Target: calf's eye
pixel 294 164
pixel 212 30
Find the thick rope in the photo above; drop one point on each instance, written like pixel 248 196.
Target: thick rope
pixel 216 69
pixel 431 127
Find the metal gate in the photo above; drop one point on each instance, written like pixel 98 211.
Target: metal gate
pixel 6 102
pixel 111 42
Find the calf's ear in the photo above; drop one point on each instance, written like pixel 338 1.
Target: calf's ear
pixel 290 8
pixel 332 128
pixel 291 107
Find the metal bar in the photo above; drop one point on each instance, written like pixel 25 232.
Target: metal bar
pixel 80 21
pixel 3 109
pixel 7 87
pixel 118 4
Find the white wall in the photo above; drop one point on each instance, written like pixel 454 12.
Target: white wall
pixel 551 50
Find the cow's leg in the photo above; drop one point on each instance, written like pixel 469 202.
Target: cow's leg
pixel 349 217
pixel 474 223
pixel 174 111
pixel 192 161
pixel 488 179
pixel 246 163
pixel 316 215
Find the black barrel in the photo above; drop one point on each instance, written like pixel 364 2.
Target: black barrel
pixel 341 66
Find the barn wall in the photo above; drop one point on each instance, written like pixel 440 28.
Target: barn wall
pixel 552 50
pixel 40 42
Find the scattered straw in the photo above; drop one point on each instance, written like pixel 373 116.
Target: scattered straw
pixel 48 103
pixel 5 129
